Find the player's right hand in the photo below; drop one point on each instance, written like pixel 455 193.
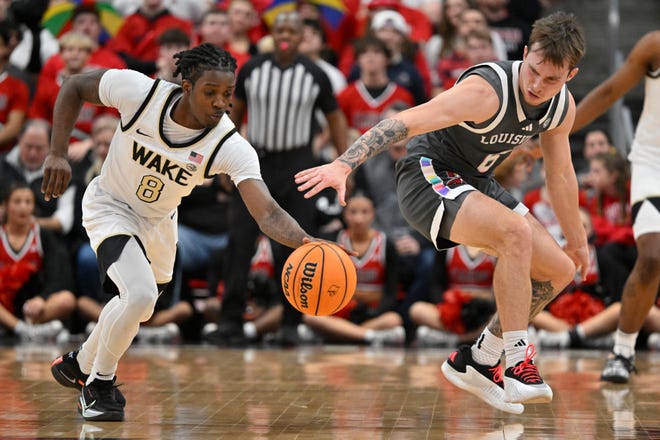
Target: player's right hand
pixel 57 175
pixel 332 175
pixel 581 257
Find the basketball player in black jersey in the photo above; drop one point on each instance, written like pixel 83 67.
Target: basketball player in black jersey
pixel 446 191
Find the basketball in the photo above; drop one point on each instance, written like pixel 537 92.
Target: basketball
pixel 319 278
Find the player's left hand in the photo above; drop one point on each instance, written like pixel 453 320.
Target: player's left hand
pixel 57 175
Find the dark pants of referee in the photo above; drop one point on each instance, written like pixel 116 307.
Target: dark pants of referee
pixel 277 170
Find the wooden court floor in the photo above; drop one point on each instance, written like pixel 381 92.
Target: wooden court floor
pixel 321 392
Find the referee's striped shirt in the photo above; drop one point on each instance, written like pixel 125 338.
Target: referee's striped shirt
pixel 281 101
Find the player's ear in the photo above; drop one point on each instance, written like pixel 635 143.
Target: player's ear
pixel 574 71
pixel 187 86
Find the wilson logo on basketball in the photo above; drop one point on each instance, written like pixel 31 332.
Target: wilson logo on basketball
pixel 306 282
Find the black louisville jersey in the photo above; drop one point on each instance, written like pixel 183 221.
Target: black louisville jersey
pixel 472 149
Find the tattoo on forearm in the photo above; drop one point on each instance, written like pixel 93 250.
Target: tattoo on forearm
pixel 382 135
pixel 542 294
pixel 281 227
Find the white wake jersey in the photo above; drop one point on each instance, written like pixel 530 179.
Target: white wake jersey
pixel 646 144
pixel 148 171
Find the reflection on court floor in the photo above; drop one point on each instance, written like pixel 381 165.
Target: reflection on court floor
pixel 322 392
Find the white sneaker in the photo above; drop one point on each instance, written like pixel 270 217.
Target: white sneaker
pixel 63 337
pixel 390 336
pixel 430 337
pixel 209 328
pixel 618 368
pixel 306 334
pixel 164 334
pixel 483 381
pixel 523 383
pixel 89 328
pixel 653 342
pixel 45 332
pixel 548 339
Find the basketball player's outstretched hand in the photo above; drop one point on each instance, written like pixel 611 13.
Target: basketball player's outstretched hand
pixel 332 175
pixel 57 175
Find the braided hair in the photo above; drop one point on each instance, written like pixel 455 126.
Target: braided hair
pixel 192 63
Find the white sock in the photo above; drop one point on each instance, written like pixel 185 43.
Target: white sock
pixel 369 335
pixel 624 343
pixel 488 349
pixel 21 328
pixel 515 346
pixel 85 362
pixel 99 376
pixel 250 330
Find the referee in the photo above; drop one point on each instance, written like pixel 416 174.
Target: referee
pixel 280 92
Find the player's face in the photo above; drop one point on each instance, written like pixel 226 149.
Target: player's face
pixel 211 96
pixel 540 79
pixel 20 207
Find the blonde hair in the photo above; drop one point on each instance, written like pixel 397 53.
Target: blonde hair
pixel 76 39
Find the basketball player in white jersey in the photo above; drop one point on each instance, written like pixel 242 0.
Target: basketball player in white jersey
pixel 447 192
pixel 170 139
pixel 641 287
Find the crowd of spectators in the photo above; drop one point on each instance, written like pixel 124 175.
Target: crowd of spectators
pixel 381 57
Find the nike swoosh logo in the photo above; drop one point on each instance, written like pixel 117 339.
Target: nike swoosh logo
pixel 138 131
pixel 86 410
pixel 70 379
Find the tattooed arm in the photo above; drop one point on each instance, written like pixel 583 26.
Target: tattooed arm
pixel 273 221
pixel 473 99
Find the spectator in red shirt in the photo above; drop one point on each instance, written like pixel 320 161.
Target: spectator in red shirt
pixel 136 41
pixel 75 51
pixel 364 100
pixel 14 95
pixel 243 21
pixel 612 219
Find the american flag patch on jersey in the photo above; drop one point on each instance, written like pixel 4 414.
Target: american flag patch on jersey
pixel 195 157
